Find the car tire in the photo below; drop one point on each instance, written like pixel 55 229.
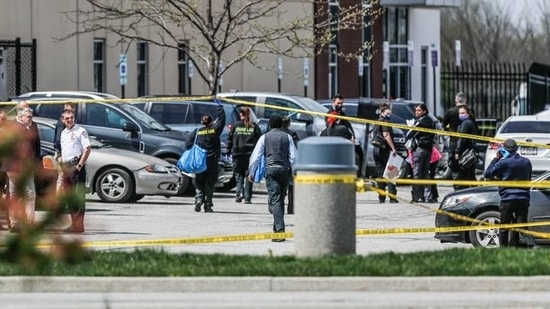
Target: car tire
pixel 228 186
pixel 135 197
pixel 114 186
pixel 486 238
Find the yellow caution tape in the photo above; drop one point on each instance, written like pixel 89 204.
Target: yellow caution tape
pixel 325 179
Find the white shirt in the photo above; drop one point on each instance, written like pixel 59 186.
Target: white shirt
pixel 73 142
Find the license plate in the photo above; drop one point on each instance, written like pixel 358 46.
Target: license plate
pixel 529 151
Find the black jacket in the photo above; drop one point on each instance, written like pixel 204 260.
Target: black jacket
pixel 294 135
pixel 468 126
pixel 343 122
pixel 208 137
pixel 423 139
pixel 242 140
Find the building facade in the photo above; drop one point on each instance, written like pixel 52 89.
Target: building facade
pixel 406 40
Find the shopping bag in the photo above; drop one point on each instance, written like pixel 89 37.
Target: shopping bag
pixel 193 160
pixel 393 167
pixel 259 174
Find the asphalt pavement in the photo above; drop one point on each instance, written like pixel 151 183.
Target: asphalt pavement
pixel 171 224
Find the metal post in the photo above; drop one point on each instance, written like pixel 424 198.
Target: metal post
pixel 324 192
pixel 122 88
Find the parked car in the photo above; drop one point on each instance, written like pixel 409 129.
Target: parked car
pixel 401 111
pixel 303 124
pixel 117 175
pixel 486 127
pixel 482 204
pixel 531 129
pixel 120 125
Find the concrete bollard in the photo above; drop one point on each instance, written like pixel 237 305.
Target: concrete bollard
pixel 324 197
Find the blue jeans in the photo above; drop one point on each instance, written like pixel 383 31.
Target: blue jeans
pixel 276 181
pixel 244 187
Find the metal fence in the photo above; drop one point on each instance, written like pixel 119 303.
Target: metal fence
pixel 492 88
pixel 17 67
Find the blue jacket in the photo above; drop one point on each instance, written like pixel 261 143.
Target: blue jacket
pixel 514 167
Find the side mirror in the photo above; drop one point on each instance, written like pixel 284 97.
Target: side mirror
pixel 129 127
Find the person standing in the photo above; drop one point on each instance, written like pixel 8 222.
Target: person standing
pixel 75 150
pixel 422 144
pixel 20 167
pixel 59 127
pixel 451 122
pixel 280 153
pixel 4 192
pixel 508 165
pixel 242 138
pixel 467 126
pixel 208 138
pixel 296 139
pixel 337 108
pixel 382 155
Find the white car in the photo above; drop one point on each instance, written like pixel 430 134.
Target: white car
pixel 526 129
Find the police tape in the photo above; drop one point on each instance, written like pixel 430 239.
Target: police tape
pixel 325 179
pixel 268 236
pixel 470 183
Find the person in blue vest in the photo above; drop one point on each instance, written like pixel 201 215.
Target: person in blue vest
pixel 280 153
pixel 208 138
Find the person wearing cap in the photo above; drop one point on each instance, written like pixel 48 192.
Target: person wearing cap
pixel 208 138
pixel 508 165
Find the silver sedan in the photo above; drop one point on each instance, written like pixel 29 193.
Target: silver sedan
pixel 118 175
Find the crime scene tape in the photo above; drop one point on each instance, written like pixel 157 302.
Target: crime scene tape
pixel 325 179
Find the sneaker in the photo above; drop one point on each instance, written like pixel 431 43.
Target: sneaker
pixel 238 199
pixel 278 240
pixel 394 201
pixel 381 201
pixel 248 202
pixel 208 208
pixel 198 208
pixel 433 200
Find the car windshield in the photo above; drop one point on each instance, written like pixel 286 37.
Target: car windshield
pixel 311 105
pixel 143 119
pixel 532 127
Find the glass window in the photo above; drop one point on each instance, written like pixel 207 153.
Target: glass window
pixel 170 113
pixel 396 33
pixel 46 132
pixel 99 65
pixel 142 69
pixel 526 127
pixel 49 111
pixel 279 112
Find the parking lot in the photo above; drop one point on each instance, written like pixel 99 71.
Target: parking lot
pixel 171 222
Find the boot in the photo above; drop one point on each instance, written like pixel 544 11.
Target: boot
pixel 77 225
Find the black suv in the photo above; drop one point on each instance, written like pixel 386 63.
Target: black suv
pixel 119 125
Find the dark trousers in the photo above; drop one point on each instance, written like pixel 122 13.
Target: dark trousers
pixel 74 182
pixel 381 157
pixel 433 187
pixel 276 181
pixel 465 174
pixel 205 182
pixel 240 171
pixel 421 170
pixel 513 211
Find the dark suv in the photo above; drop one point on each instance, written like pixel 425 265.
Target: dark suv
pixel 119 125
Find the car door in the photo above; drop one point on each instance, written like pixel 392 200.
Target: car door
pixel 105 123
pixel 300 127
pixel 539 209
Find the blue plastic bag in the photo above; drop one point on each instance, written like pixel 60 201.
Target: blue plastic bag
pixel 260 170
pixel 193 160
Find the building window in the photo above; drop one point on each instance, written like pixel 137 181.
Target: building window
pixel 184 74
pixel 99 65
pixel 396 33
pixel 142 69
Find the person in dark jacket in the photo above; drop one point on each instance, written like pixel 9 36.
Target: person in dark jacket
pixel 242 138
pixel 508 165
pixel 337 108
pixel 336 128
pixel 467 126
pixel 421 153
pixel 280 152
pixel 208 138
pixel 382 155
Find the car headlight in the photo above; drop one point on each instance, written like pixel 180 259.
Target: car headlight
pixel 455 200
pixel 156 168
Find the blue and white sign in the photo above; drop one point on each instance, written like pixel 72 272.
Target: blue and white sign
pixel 434 56
pixel 306 72
pixel 123 69
pixel 280 68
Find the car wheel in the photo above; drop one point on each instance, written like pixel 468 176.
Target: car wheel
pixel 186 181
pixel 228 186
pixel 135 197
pixel 114 186
pixel 486 238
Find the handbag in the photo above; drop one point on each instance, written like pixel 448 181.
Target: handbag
pixel 193 160
pixel 467 159
pixel 377 138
